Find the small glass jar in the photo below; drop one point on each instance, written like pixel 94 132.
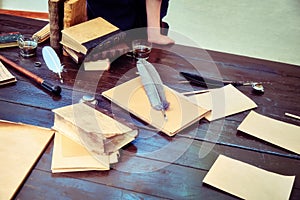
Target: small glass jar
pixel 28 45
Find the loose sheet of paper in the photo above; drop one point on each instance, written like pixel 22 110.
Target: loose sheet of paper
pixel 69 156
pixel 20 147
pixel 247 181
pixel 223 102
pixel 274 131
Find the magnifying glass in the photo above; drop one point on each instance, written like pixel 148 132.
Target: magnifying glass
pixel 257 87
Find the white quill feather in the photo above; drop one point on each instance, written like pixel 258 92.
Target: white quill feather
pixel 52 61
pixel 153 86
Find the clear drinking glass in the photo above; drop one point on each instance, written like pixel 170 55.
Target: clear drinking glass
pixel 141 48
pixel 27 45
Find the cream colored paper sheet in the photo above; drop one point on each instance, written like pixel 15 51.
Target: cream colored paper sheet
pixel 223 102
pixel 247 181
pixel 20 147
pixel 274 131
pixel 69 156
pixel 181 113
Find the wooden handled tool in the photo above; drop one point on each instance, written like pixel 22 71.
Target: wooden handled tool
pixel 54 89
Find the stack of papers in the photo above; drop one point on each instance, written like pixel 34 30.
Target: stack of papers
pixel 69 156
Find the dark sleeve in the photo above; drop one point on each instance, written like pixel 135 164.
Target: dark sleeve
pixel 164 8
pixel 125 14
pixel 121 13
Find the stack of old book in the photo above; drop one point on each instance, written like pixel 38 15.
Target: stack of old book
pixel 63 14
pixel 95 40
pixel 72 32
pixel 87 139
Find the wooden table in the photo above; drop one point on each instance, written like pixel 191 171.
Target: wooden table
pixel 180 178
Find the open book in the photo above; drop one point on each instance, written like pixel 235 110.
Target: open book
pixel 132 97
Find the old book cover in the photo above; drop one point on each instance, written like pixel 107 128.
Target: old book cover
pixel 96 131
pixel 43 34
pixel 69 156
pixel 21 146
pixel 89 34
pixel 74 12
pixel 9 39
pixel 132 97
pixel 99 63
pixel 78 58
pixel 5 76
pixel 98 60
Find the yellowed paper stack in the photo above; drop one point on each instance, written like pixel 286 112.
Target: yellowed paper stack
pixel 88 135
pixel 248 182
pixel 69 156
pixel 20 147
pixel 180 114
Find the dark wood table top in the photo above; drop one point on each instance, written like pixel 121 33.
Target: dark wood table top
pixel 161 178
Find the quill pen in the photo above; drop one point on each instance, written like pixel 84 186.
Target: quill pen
pixel 153 86
pixel 52 61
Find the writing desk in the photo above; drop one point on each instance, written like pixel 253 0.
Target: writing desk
pixel 178 178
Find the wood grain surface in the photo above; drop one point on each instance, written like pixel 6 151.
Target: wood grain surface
pixel 166 176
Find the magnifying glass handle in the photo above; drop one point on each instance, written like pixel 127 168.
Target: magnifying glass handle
pixel 54 89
